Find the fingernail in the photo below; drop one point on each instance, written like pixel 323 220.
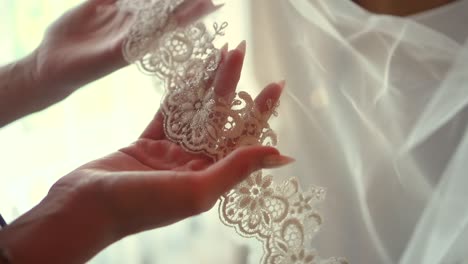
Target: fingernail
pixel 218 6
pixel 242 46
pixel 214 6
pixel 282 84
pixel 224 49
pixel 275 161
pixel 218 2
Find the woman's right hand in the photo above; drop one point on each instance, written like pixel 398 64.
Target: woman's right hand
pixel 149 184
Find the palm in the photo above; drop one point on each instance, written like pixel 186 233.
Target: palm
pixel 156 170
pixel 149 154
pixel 123 182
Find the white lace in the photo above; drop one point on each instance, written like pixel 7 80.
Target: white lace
pixel 282 216
pixel 151 21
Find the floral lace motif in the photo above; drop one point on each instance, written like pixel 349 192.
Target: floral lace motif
pixel 282 216
pixel 151 21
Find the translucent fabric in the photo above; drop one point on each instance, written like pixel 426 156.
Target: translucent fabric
pixel 375 112
pixel 184 59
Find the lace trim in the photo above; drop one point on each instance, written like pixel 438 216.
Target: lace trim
pixel 282 216
pixel 151 21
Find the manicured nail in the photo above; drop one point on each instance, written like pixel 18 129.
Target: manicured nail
pixel 282 84
pixel 218 6
pixel 224 52
pixel 242 46
pixel 275 161
pixel 214 7
pixel 225 48
pixel 218 2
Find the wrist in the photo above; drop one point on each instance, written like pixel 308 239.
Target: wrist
pixel 49 86
pixel 19 90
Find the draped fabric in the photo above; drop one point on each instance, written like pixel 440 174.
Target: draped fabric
pixel 375 112
pixel 281 215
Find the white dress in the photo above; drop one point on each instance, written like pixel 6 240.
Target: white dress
pixel 371 114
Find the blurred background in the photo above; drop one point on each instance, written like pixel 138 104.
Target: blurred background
pixel 96 120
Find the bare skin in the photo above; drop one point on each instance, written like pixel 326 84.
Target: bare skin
pixel 83 45
pixel 149 184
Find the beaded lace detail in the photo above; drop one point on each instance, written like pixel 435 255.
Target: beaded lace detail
pixel 282 216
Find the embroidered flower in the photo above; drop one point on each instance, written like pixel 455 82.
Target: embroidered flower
pixel 196 110
pixel 255 191
pixel 301 205
pixel 253 206
pixel 190 121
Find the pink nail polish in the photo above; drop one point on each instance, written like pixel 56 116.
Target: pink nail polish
pixel 218 6
pixel 242 46
pixel 282 84
pixel 218 2
pixel 214 7
pixel 225 48
pixel 275 161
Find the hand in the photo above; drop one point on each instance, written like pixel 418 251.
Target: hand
pixel 177 182
pixel 152 183
pixel 85 44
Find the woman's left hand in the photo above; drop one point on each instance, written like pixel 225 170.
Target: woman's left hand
pixel 85 43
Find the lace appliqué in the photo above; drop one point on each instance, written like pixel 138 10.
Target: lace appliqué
pixel 282 216
pixel 151 20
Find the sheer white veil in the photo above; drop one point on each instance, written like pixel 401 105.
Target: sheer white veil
pixel 375 111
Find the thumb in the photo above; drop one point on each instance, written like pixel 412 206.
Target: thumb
pixel 231 170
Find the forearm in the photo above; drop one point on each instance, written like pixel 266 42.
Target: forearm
pixel 56 233
pixel 22 91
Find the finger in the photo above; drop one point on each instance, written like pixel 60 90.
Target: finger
pixel 231 170
pixel 155 129
pixel 197 164
pixel 269 97
pixel 191 11
pixel 229 72
pixel 189 192
pixel 223 55
pixel 224 52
